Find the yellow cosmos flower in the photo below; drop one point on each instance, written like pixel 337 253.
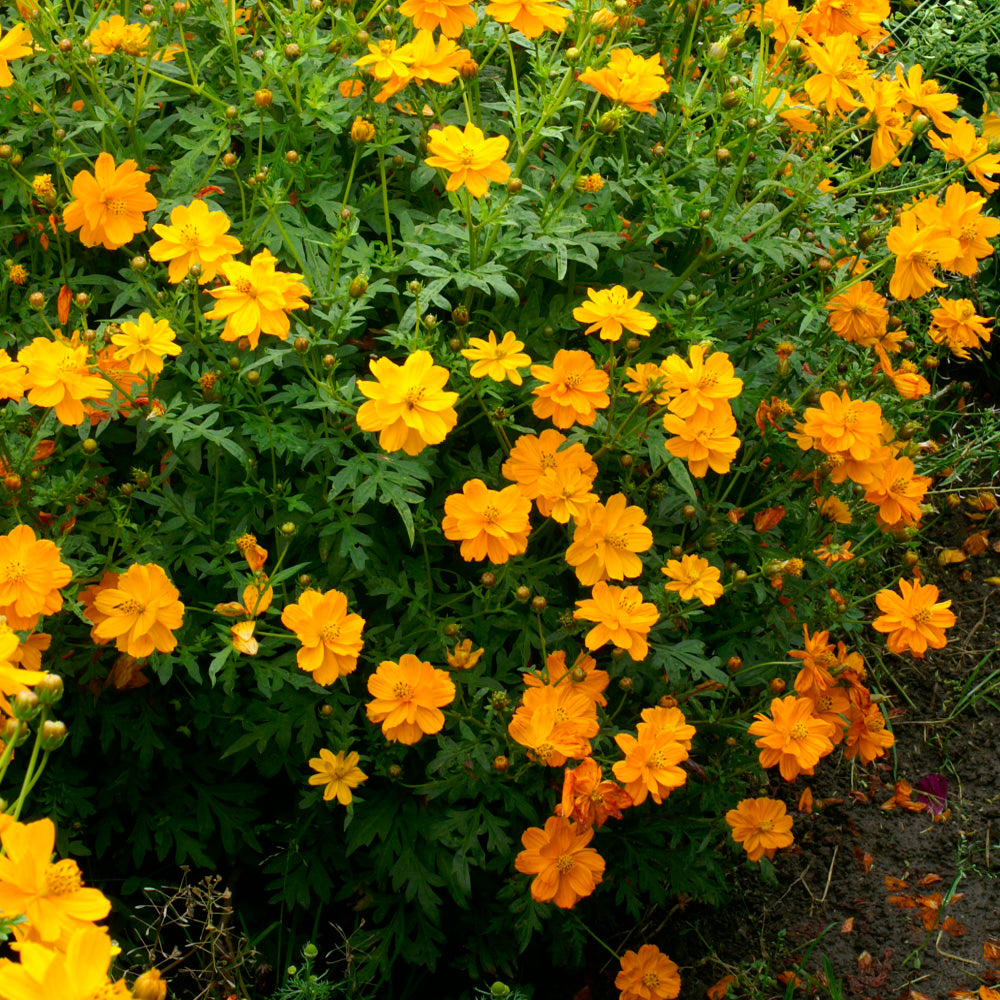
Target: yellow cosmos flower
pixel 257 299
pixel 385 59
pixel 108 204
pixel 330 635
pixel 16 44
pixel 491 524
pixel 339 773
pixel 451 16
pixel 607 540
pixel 530 17
pixel 114 35
pixel 12 377
pixel 50 895
pixel 612 310
pixel 407 403
pixel 498 361
pixel 629 79
pixel 195 236
pixel 31 574
pixel 142 611
pixel 145 344
pixel 693 577
pixel 470 159
pixel 59 377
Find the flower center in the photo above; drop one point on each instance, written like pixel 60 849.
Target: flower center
pixel 627 605
pixel 190 237
pixel 922 616
pixel 130 606
pixel 544 751
pixel 490 514
pixel 651 980
pixel 875 723
pixel 657 760
pixel 330 632
pixel 413 396
pixel 548 461
pixel 800 731
pixel 62 878
pixel 968 232
pixel 900 485
pixel 466 155
pixel 243 286
pixel 561 715
pixel 573 380
pixel 117 206
pixel 926 258
pixel 402 691
pixel 565 863
pixel 766 826
pixel 109 991
pixel 12 572
pixel 617 540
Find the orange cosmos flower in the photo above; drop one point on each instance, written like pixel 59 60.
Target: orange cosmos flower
pixel 533 458
pixel 762 826
pixel 330 635
pixel 918 252
pixel 257 299
pixel 705 385
pixel 408 697
pixel 438 61
pixel 19 663
pixel 866 735
pixel 917 94
pixel 831 552
pixel 648 383
pixel 145 344
pixel 470 159
pixel 794 738
pixel 913 619
pixel 858 315
pixel 848 428
pixel 651 764
pixel 386 60
pixel 451 16
pixel 565 492
pixel 339 773
pixel 629 79
pixel 141 611
pixel 115 35
pixel 957 325
pixel 59 377
pixel 86 598
pixel 589 800
pixel 961 217
pixel 583 676
pixel 16 44
pixel 606 541
pixel 555 723
pixel 667 721
pixel 965 144
pixel 612 310
pixel 108 204
pixel 407 403
pixel 647 974
pixel 565 868
pixel 499 362
pixel 31 574
pixel 573 389
pixel 50 894
pixel 490 524
pixel 840 71
pixel 12 377
pixel 705 440
pixel 622 618
pixel 693 577
pixel 898 492
pixel 195 236
pixel 530 17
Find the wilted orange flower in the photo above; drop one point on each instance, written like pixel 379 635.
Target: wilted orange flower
pixel 463 656
pixel 407 403
pixel 583 676
pixel 530 17
pixel 257 299
pixel 956 324
pixel 330 635
pixel 565 868
pixel 607 540
pixel 612 310
pixel 141 611
pixel 490 524
pixel 858 315
pixel 913 619
pixel 765 520
pixel 108 205
pixel 833 509
pixel 693 577
pixel 451 16
pixel 794 738
pixel 252 552
pixel 833 552
pixel 648 975
pixel 16 44
pixel 195 236
pixel 762 826
pixel 648 383
pixel 622 618
pixel 629 79
pixel 339 773
pixel 701 384
pixel 408 697
pixel 145 343
pixel 59 377
pixel 898 492
pixel 589 800
pixel 31 574
pixel 470 159
pixel 499 362
pixel 867 735
pixel 573 389
pixel 50 894
pixel 705 440
pixel 651 764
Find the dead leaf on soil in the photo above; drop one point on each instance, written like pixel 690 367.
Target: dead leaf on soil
pixel 976 543
pixel 864 859
pixel 931 880
pixel 847 926
pixel 948 557
pixel 720 989
pixel 806 801
pixel 991 951
pixel 893 884
pixel 953 928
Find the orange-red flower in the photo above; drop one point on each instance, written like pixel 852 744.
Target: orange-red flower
pixel 648 974
pixel 490 524
pixel 793 738
pixel 565 868
pixel 607 540
pixel 407 403
pixel 913 619
pixel 330 635
pixel 589 800
pixel 622 618
pixel 408 697
pixel 573 389
pixel 762 826
pixel 108 204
